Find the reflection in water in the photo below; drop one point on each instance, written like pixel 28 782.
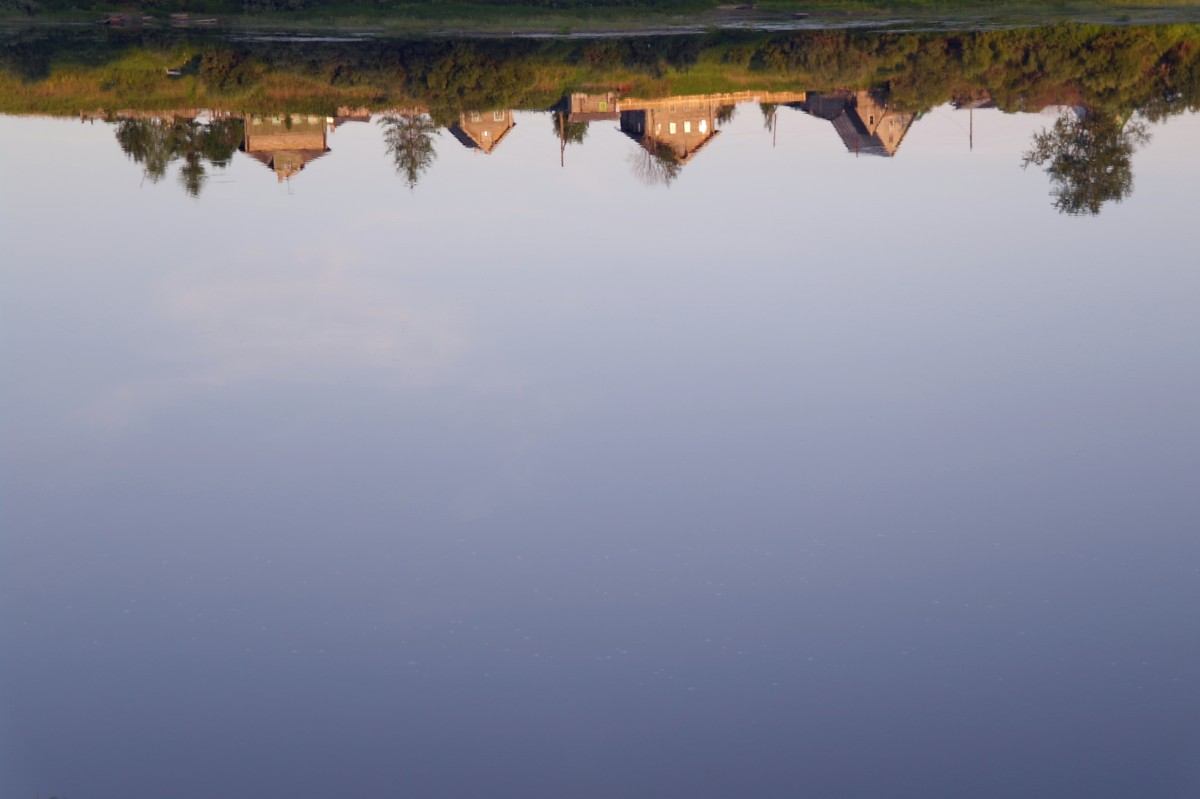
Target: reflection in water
pixel 1088 156
pixel 817 474
pixel 671 95
pixel 671 132
pixel 408 138
pixel 286 143
pixel 863 120
pixel 482 131
pixel 1086 152
pixel 156 142
pixel 575 112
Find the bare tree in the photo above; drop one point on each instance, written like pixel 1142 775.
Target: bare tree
pixel 655 163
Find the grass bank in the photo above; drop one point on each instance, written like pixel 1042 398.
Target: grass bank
pixel 1153 69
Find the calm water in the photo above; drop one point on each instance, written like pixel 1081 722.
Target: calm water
pixel 590 465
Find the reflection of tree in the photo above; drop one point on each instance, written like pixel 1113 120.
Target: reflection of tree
pixel 655 162
pixel 568 132
pixel 156 143
pixel 725 114
pixel 1088 157
pixel 409 141
pixel 768 112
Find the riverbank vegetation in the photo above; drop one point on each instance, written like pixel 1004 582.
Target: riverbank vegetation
pixel 1151 69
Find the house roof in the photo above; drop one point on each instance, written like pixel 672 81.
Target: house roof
pixel 644 140
pixel 285 163
pixel 843 112
pixel 468 141
pixel 856 138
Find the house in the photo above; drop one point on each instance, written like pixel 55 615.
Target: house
pixel 482 130
pixel 285 143
pixel 863 120
pixel 674 127
pixel 593 107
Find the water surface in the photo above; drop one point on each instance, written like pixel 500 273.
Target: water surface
pixel 586 465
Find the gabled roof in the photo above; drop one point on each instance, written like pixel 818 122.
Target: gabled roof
pixel 856 138
pixel 842 110
pixel 285 163
pixel 467 140
pixel 647 139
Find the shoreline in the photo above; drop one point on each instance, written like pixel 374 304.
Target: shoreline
pixel 623 23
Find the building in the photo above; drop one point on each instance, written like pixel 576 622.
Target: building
pixel 593 107
pixel 482 130
pixel 672 127
pixel 285 143
pixel 863 120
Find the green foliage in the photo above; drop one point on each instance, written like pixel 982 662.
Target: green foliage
pixel 223 70
pixel 409 141
pixel 1154 70
pixel 568 132
pixel 157 143
pixel 26 8
pixel 1115 75
pixel 1089 158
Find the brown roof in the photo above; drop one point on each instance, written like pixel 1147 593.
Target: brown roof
pixel 468 141
pixel 285 163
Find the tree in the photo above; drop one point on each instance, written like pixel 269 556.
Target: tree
pixel 568 132
pixel 157 143
pixel 655 162
pixel 768 113
pixel 409 141
pixel 1088 156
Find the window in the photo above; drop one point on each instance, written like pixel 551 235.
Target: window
pixel 476 116
pixel 671 127
pixel 497 116
pixel 704 126
pixel 687 127
pixel 603 105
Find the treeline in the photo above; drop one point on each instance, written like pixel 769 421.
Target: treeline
pixel 339 8
pixel 1154 70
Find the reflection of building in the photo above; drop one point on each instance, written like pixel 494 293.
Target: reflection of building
pixel 345 115
pixel 482 130
pixel 285 143
pixel 674 127
pixel 862 119
pixel 592 107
